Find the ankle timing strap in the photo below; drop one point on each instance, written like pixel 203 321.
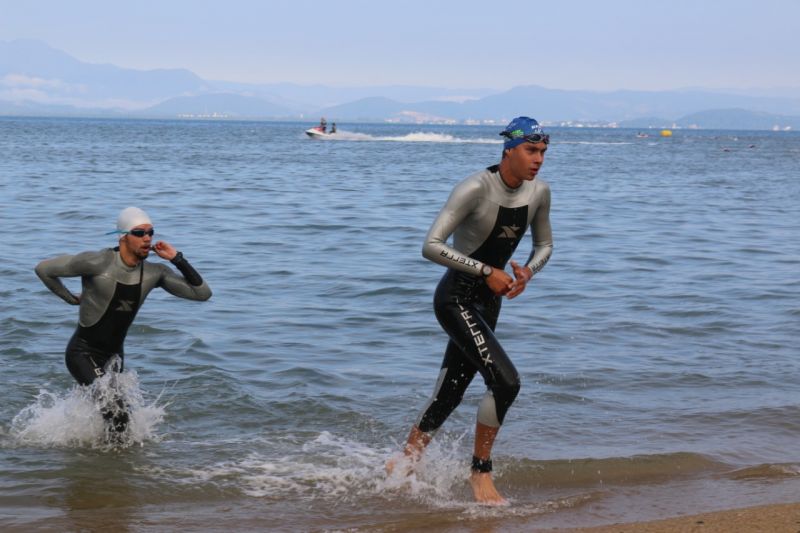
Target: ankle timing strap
pixel 479 465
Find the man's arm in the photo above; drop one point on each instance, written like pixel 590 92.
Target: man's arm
pixel 542 235
pixel 191 286
pixel 69 266
pixel 435 248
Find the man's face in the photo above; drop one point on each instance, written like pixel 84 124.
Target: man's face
pixel 139 239
pixel 525 160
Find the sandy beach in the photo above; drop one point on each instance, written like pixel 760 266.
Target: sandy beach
pixel 780 518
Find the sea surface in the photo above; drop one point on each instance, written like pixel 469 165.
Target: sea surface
pixel 658 349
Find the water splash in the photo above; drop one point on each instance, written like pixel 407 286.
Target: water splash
pixel 326 470
pixel 74 419
pixel 336 468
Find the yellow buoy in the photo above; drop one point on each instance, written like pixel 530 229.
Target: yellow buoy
pixel 666 133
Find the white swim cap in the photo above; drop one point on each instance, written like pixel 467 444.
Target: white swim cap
pixel 129 218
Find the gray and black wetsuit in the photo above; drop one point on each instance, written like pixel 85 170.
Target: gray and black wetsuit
pixel 487 220
pixel 112 293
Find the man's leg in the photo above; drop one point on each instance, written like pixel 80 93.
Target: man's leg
pixel 455 375
pixel 116 411
pixel 472 328
pixel 81 363
pixel 86 367
pixel 481 477
pixel 502 382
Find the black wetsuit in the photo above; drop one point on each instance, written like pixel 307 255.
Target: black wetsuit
pixel 488 219
pixel 91 348
pixel 112 293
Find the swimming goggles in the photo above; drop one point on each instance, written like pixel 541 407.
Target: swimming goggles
pixel 531 137
pixel 138 232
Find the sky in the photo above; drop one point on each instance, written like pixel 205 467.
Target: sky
pixel 561 44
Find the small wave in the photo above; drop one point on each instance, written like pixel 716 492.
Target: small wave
pixel 534 509
pixel 15 330
pixel 74 419
pixel 75 214
pixel 418 137
pixel 633 470
pixel 596 142
pixel 767 471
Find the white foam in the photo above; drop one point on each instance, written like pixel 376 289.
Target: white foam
pixel 343 471
pixel 418 137
pixel 329 466
pixel 73 419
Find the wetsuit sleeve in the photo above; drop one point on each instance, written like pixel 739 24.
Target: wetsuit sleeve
pixel 188 271
pixel 461 203
pixel 191 286
pixel 69 266
pixel 542 235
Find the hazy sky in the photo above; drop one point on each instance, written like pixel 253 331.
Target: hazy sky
pixel 567 44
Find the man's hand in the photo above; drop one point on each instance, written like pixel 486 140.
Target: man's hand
pixel 165 250
pixel 499 281
pixel 523 275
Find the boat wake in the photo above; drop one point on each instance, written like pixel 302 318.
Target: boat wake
pixel 416 137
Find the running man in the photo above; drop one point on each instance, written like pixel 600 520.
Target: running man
pixel 487 214
pixel 115 283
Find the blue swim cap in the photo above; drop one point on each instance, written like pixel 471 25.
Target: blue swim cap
pixel 523 129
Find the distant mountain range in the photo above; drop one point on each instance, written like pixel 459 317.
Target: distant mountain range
pixel 36 79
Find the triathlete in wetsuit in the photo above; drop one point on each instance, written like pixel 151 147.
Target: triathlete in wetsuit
pixel 115 283
pixel 487 214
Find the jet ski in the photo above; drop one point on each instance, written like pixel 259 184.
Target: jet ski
pixel 317 133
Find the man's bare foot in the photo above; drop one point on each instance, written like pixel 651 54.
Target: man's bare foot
pixel 484 490
pixel 415 445
pixel 402 463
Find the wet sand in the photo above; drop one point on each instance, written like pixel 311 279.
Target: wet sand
pixel 780 518
pixel 777 518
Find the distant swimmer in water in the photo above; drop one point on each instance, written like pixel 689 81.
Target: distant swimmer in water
pixel 487 214
pixel 115 283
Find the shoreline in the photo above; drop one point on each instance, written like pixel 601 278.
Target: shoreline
pixel 775 518
pixel 220 515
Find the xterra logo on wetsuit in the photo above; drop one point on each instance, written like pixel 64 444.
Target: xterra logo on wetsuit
pixel 477 336
pixel 126 306
pixel 508 232
pixel 509 226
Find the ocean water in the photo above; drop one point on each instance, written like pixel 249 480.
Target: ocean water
pixel 658 349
